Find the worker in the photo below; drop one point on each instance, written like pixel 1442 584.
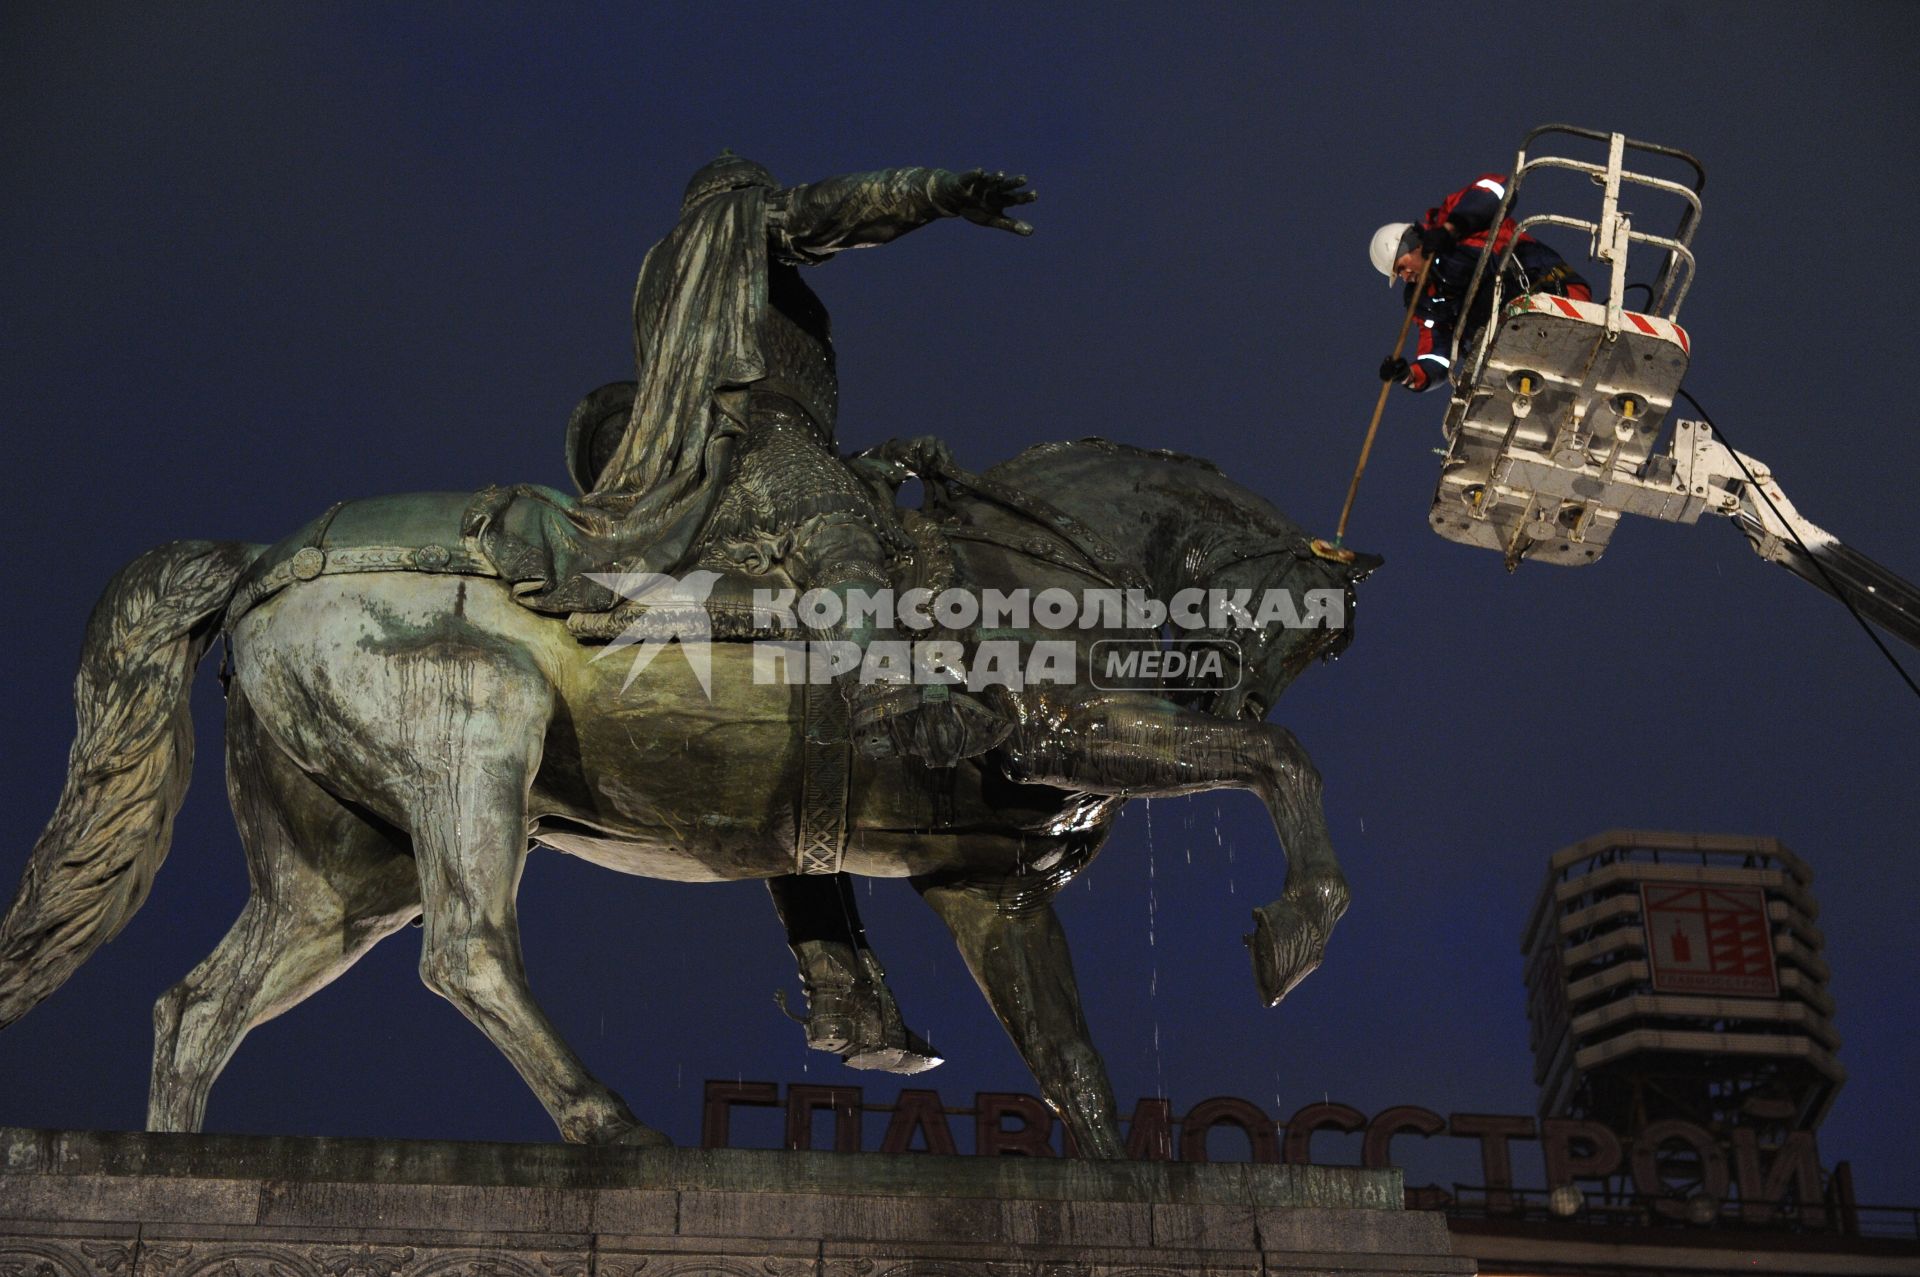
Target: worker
pixel 1451 238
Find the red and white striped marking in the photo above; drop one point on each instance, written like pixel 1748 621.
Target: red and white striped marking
pixel 1594 313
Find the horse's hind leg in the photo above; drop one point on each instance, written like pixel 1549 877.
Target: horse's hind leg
pixel 1138 744
pixel 474 728
pixel 327 885
pixel 1018 955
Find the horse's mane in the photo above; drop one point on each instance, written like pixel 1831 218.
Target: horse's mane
pixel 1041 451
pixel 1045 465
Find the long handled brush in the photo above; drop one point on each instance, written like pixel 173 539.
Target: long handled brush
pixel 1336 548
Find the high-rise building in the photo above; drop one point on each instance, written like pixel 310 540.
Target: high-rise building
pixel 1677 997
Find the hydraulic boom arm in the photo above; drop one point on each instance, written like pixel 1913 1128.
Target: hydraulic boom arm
pixel 1746 491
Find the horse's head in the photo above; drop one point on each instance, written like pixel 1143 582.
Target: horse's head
pixel 1186 524
pixel 1305 605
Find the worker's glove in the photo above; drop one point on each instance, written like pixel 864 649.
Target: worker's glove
pixel 1436 241
pixel 1393 368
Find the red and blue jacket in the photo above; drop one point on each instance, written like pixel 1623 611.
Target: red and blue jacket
pixel 1471 210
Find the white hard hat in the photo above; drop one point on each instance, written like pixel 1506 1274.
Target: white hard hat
pixel 1385 249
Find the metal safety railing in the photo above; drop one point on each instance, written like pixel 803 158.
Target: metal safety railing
pixel 1611 235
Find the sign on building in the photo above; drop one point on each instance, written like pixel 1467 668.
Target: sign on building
pixel 1708 939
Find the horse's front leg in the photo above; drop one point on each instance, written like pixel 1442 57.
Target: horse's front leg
pixel 1138 744
pixel 1290 934
pixel 1017 952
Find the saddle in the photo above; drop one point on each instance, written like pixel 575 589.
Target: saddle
pixel 542 542
pixel 515 535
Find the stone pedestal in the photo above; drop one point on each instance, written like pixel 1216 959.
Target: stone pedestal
pixel 141 1205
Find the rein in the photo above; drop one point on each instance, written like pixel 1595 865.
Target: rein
pixel 1108 562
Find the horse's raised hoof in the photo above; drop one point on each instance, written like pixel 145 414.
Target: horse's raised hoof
pixel 1290 937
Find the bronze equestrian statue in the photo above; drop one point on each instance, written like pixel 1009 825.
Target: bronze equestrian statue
pixel 417 700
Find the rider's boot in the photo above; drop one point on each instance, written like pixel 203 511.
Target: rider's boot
pixel 851 1012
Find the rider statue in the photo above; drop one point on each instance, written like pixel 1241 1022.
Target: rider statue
pixel 728 458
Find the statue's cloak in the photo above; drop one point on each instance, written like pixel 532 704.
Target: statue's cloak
pixel 696 322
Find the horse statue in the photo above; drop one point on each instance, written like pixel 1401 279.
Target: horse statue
pixel 401 733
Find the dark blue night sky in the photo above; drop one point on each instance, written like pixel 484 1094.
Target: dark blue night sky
pixel 261 258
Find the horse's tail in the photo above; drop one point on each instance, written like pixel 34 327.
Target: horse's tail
pixel 128 768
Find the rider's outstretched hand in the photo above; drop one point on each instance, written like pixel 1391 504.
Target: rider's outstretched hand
pixel 984 198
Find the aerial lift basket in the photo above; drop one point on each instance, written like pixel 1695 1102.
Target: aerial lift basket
pixel 1559 404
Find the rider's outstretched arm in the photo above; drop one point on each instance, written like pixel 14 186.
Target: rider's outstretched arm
pixel 860 210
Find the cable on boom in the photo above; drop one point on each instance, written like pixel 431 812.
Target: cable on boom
pixel 1833 586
